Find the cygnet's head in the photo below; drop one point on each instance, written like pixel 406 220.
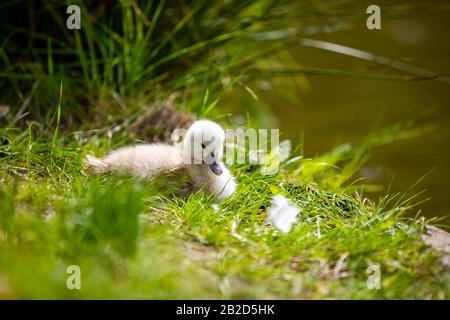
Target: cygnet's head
pixel 203 144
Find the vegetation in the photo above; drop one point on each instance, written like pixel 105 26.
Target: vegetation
pixel 68 93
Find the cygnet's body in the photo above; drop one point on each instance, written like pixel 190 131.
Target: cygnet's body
pixel 198 155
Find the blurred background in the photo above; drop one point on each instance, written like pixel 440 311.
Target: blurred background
pixel 330 111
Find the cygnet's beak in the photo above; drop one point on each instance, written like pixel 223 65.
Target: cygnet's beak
pixel 216 168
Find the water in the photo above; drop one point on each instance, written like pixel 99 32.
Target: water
pixel 333 110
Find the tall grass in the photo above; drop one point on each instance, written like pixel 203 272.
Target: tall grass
pixel 132 52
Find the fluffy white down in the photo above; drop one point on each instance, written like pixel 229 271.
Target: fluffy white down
pixel 281 213
pixel 146 160
pixel 221 186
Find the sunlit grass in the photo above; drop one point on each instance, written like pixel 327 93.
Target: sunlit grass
pixel 76 93
pixel 133 240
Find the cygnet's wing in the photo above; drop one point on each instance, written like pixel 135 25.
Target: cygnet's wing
pixel 176 182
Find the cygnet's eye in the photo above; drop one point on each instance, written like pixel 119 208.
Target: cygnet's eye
pixel 203 146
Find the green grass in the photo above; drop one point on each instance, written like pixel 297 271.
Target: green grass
pixel 133 240
pixel 73 93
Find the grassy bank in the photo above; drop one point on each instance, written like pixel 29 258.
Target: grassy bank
pixel 67 94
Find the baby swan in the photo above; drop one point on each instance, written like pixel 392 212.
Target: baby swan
pixel 198 155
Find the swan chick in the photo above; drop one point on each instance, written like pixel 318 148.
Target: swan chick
pixel 198 155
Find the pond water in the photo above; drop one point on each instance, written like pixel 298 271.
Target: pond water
pixel 332 110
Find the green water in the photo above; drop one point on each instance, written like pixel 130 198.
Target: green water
pixel 333 110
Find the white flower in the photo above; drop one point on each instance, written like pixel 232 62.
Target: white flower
pixel 282 214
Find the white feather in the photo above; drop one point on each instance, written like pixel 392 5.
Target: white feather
pixel 282 214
